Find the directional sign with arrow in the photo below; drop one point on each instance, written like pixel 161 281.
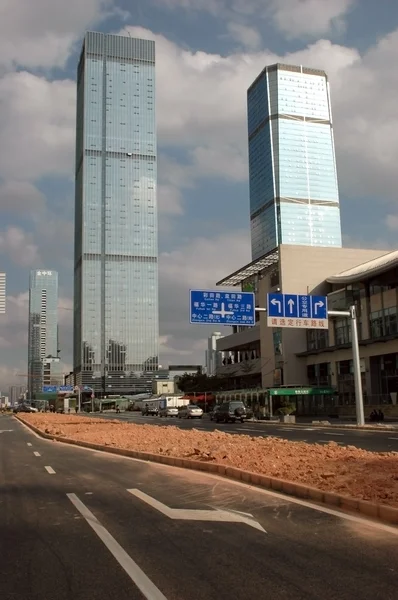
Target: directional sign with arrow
pixel 185 514
pixel 297 311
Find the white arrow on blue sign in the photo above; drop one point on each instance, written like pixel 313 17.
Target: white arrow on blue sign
pixel 297 311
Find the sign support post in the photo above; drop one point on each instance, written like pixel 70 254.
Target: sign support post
pixel 352 314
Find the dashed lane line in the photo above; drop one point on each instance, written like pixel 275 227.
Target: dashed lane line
pixel 37 453
pixel 137 576
pixel 50 470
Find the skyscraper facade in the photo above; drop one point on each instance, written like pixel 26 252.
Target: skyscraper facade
pixel 116 246
pixel 43 329
pixel 294 196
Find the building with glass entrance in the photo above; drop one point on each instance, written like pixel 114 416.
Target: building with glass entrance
pixel 116 246
pixel 43 361
pixel 294 196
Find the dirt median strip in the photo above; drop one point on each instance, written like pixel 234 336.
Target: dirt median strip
pixel 345 477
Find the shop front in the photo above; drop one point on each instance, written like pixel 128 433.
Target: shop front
pixel 309 401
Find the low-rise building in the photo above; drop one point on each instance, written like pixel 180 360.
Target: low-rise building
pixel 322 359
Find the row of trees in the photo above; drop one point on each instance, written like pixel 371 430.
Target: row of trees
pixel 201 383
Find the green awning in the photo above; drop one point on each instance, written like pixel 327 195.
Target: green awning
pixel 304 391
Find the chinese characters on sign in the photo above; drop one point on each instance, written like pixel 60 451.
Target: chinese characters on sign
pixel 297 311
pixel 299 323
pixel 223 308
pixel 44 273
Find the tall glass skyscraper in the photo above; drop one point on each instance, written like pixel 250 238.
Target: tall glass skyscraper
pixel 294 196
pixel 116 326
pixel 43 330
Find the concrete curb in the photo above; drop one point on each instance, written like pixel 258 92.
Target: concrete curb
pixel 381 512
pixel 382 429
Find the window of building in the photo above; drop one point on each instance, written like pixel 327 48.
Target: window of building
pixel 317 339
pixel 342 331
pixel 383 322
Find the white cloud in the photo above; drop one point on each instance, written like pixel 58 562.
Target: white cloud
pixel 41 33
pixel 294 18
pixel 209 110
pixel 392 222
pixel 248 37
pixel 37 123
pixel 18 245
pixel 21 198
pixel 195 264
pixel 298 18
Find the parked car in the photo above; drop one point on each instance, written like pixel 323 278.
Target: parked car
pixel 233 410
pixel 168 411
pixel 190 412
pixel 25 408
pixel 214 411
pixel 151 411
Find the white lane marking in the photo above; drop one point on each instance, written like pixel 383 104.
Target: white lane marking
pixel 187 514
pixel 393 438
pixel 285 429
pixel 29 444
pixel 219 478
pixel 326 433
pixel 246 429
pixel 137 576
pixel 50 470
pixel 328 442
pixel 37 453
pixel 5 430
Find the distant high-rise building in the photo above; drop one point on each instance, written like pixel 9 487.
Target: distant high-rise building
pixel 2 293
pixel 116 329
pixel 213 357
pixel 16 392
pixel 43 330
pixel 294 196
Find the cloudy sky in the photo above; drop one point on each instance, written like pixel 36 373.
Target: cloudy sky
pixel 208 52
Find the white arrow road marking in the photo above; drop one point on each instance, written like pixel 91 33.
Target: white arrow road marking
pixel 318 305
pixel 144 584
pixel 185 514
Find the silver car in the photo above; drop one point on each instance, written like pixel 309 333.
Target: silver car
pixel 190 412
pixel 168 411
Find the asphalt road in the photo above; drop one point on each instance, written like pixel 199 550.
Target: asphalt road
pixel 71 529
pixel 375 441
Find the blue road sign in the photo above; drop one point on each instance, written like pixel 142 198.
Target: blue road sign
pixel 65 388
pixel 275 306
pixel 222 308
pixel 319 307
pixel 49 389
pixel 297 311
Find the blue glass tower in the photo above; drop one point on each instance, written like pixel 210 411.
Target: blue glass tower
pixel 116 246
pixel 294 196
